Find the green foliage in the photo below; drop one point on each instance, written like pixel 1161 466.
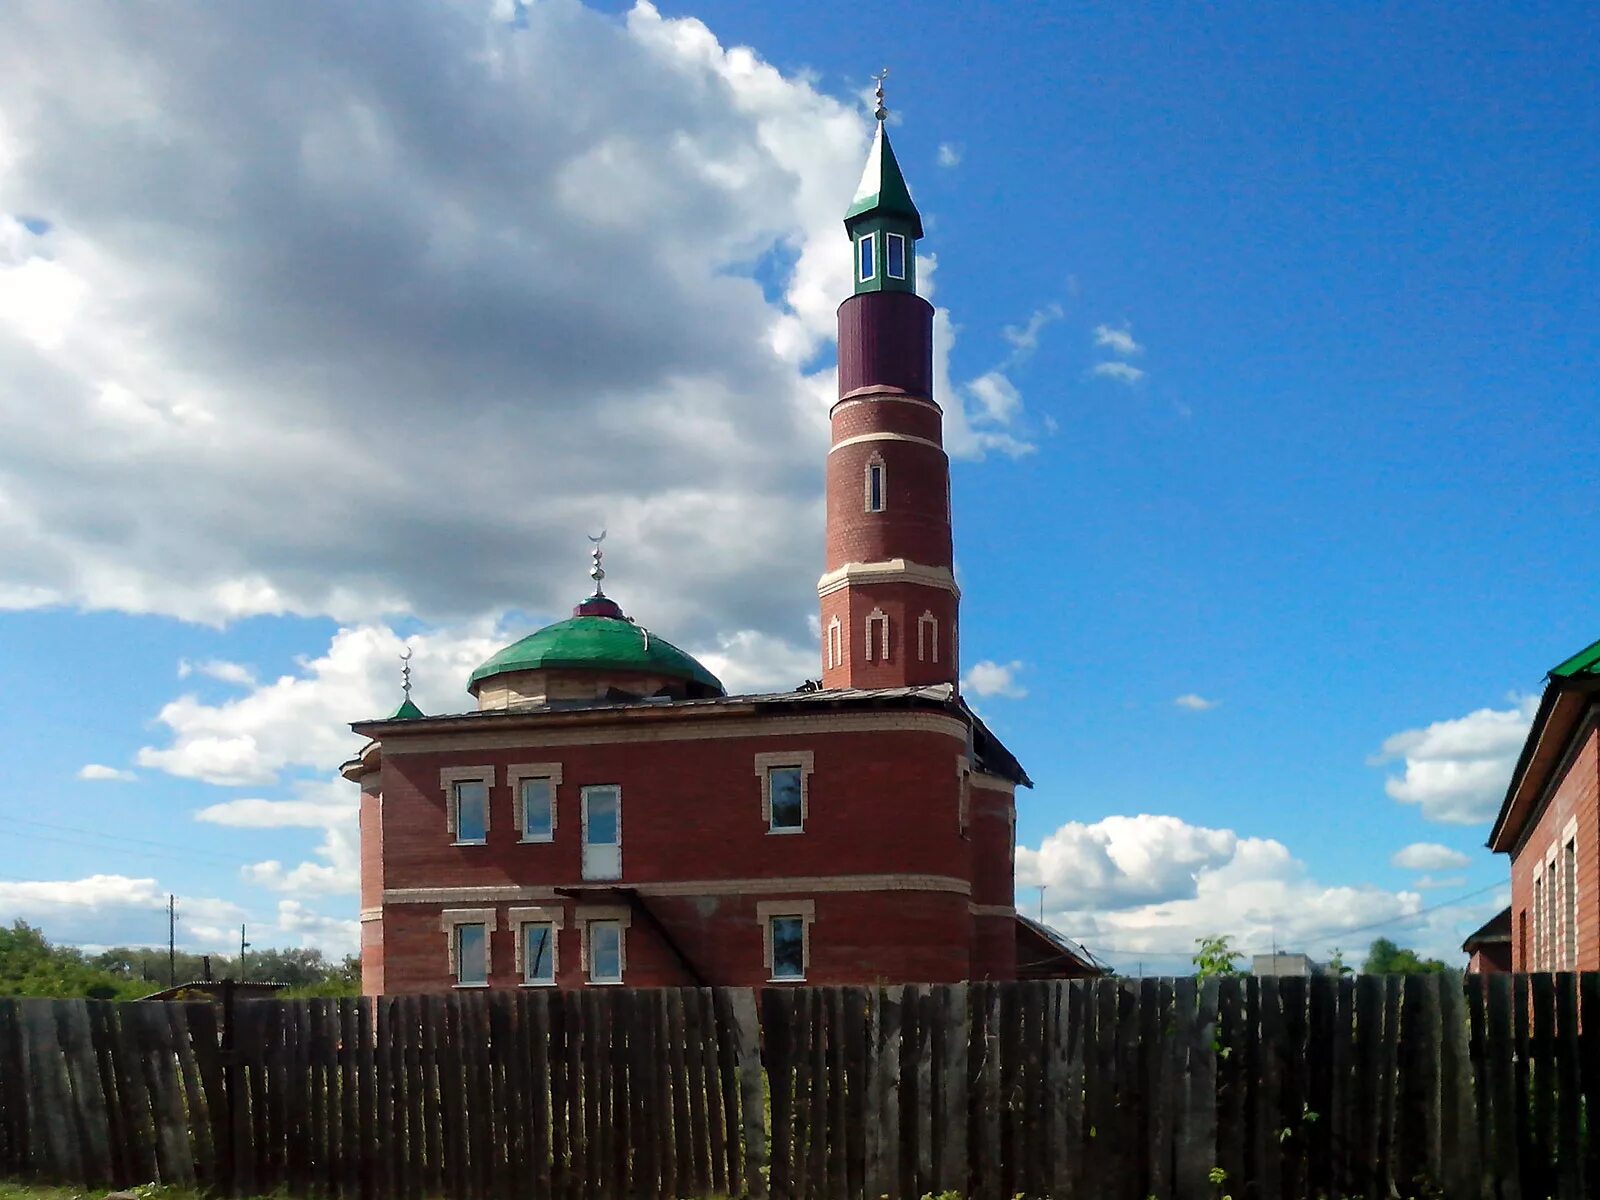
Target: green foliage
pixel 1215 957
pixel 1386 958
pixel 1337 964
pixel 31 966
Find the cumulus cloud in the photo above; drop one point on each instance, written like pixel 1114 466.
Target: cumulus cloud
pixel 1195 703
pixel 329 805
pixel 1118 340
pixel 1147 886
pixel 218 669
pixel 1428 856
pixel 332 935
pixel 99 773
pixel 949 154
pixel 113 909
pixel 1024 338
pixel 1120 372
pixel 1457 770
pixel 994 679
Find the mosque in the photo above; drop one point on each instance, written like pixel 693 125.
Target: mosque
pixel 609 815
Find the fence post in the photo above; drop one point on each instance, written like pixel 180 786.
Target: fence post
pixel 229 1167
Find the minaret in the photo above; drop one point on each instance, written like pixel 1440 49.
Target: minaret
pixel 888 591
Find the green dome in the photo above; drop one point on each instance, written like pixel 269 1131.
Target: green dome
pixel 597 643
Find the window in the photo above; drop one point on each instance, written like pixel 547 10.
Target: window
pixel 472 811
pixel 538 810
pixel 878 634
pixel 927 637
pixel 602 832
pixel 467 933
pixel 874 485
pixel 894 255
pixel 866 260
pixel 835 643
pixel 466 807
pixel 539 953
pixel 605 951
pixel 1569 905
pixel 1522 942
pixel 783 787
pixel 785 776
pixel 786 937
pixel 1538 920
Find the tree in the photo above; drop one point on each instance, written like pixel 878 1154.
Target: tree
pixel 1337 965
pixel 1386 958
pixel 1214 957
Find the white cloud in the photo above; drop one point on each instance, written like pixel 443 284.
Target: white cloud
pixel 1024 338
pixel 994 679
pixel 949 154
pixel 1428 856
pixel 1145 887
pixel 301 720
pixel 330 805
pixel 219 669
pixel 115 909
pixel 1428 883
pixel 997 397
pixel 98 772
pixel 1195 703
pixel 1457 770
pixel 332 935
pixel 1117 340
pixel 749 662
pixel 1121 372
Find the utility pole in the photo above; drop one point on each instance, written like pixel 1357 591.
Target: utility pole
pixel 243 946
pixel 172 940
pixel 1041 903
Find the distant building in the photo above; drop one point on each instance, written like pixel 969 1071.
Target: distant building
pixel 1285 962
pixel 1549 825
pixel 1489 947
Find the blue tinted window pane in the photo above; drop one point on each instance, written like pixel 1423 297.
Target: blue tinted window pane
pixel 868 266
pixel 538 818
pixel 471 800
pixel 539 959
pixel 894 253
pixel 788 948
pixel 783 785
pixel 605 952
pixel 472 959
pixel 601 804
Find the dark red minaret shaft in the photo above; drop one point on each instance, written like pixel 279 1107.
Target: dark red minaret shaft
pixel 888 593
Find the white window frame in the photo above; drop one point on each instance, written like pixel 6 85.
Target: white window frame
pixel 521 773
pixel 521 919
pixel 449 777
pixel 451 921
pixel 927 636
pixel 588 916
pixel 583 809
pixel 869 243
pixel 806 912
pixel 888 271
pixel 882 618
pixel 835 647
pixel 766 763
pixel 875 465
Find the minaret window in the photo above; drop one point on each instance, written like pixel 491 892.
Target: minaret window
pixel 866 258
pixel 927 637
pixel 835 643
pixel 878 631
pixel 874 485
pixel 894 255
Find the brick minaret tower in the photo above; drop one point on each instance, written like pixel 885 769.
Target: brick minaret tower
pixel 888 592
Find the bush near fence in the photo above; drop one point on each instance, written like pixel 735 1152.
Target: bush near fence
pixel 1127 1089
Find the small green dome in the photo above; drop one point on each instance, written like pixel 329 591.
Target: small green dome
pixel 598 643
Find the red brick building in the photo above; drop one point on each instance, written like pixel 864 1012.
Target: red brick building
pixel 609 815
pixel 1549 824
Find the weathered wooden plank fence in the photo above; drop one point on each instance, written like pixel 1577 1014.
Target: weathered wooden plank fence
pixel 1126 1089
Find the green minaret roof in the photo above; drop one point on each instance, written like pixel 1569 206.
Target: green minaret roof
pixel 883 191
pixel 407 711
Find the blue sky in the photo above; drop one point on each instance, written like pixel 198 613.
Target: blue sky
pixel 1295 433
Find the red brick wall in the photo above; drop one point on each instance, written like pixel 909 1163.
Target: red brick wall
pixel 915 522
pixel 1576 797
pixel 880 802
pixel 904 604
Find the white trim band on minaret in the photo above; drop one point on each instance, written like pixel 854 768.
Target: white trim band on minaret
pixel 894 570
pixel 885 437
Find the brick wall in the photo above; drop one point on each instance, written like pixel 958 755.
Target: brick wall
pixel 903 604
pixel 1575 804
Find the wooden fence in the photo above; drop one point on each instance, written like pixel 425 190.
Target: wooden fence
pixel 1274 1088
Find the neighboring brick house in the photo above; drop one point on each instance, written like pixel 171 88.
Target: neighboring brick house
pixel 1488 948
pixel 1549 824
pixel 609 815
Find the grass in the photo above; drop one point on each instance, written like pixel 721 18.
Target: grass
pixel 14 1190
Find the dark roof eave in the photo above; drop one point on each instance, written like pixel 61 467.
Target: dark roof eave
pixel 1503 834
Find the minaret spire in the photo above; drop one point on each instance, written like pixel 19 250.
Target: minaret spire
pixel 597 572
pixel 880 110
pixel 408 710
